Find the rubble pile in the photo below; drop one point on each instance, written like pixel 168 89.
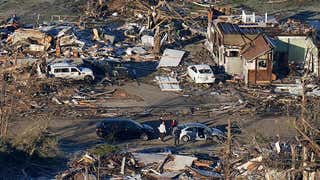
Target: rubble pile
pixel 56 97
pixel 263 100
pixel 139 39
pixel 253 64
pixel 142 41
pixel 269 161
pixel 29 41
pixel 103 48
pixel 275 161
pixel 143 165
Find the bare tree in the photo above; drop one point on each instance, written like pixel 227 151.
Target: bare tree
pixel 6 108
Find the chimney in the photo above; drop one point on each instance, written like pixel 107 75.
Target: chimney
pixel 266 17
pixel 253 17
pixel 244 18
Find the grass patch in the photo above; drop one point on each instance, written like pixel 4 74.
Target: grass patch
pixel 103 150
pixel 28 10
pixel 261 139
pixel 283 8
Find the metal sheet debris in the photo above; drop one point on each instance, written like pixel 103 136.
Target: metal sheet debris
pixel 171 58
pixel 147 41
pixel 149 158
pixel 167 83
pixel 136 50
pixel 179 163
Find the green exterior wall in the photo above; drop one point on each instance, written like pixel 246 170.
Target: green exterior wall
pixel 296 47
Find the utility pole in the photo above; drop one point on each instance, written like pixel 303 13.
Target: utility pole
pixel 156 48
pixel 303 106
pixel 2 108
pixel 227 169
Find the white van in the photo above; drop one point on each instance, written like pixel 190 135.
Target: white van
pixel 70 71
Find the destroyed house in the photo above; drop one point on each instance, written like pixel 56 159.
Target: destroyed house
pixel 228 44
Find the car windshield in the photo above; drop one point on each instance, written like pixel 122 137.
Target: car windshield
pixel 205 71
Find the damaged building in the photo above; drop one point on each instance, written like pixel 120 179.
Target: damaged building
pixel 243 52
pixel 259 53
pixel 257 61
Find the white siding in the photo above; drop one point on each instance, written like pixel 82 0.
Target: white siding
pixel 234 65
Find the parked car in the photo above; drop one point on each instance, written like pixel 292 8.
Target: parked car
pixel 198 132
pixel 70 71
pixel 201 73
pixel 121 128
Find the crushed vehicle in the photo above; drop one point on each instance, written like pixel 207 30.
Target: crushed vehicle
pixel 70 71
pixel 121 129
pixel 201 74
pixel 199 132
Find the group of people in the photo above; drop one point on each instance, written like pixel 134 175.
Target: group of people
pixel 174 130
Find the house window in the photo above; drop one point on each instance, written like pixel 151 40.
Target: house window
pixel 262 64
pixel 233 53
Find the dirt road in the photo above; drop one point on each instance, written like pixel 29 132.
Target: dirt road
pixel 77 134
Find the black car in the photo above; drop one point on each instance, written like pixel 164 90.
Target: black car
pixel 112 129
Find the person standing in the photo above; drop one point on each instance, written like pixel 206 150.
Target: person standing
pixel 162 130
pixel 176 134
pixel 173 124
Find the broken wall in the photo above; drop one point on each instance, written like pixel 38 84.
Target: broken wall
pixel 234 65
pixel 298 49
pixel 262 74
pixel 294 46
pixel 312 58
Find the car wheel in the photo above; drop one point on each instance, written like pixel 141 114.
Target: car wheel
pixel 144 137
pixel 185 138
pixel 88 79
pixel 100 134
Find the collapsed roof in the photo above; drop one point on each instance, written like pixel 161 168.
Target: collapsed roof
pixel 256 48
pixel 235 35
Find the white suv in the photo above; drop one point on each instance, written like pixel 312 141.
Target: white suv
pixel 70 71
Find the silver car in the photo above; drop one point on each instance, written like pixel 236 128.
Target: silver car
pixel 198 132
